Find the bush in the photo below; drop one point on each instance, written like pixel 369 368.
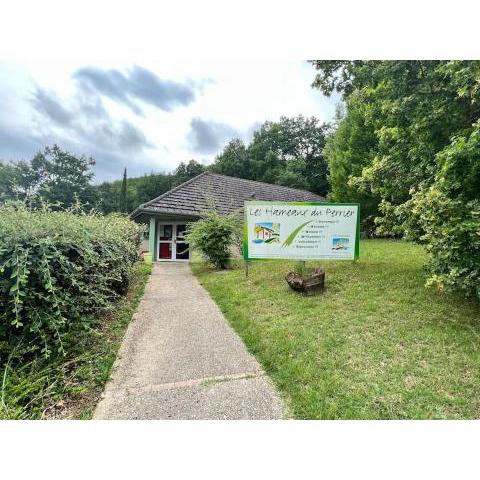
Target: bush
pixel 214 236
pixel 452 234
pixel 58 269
pixel 449 214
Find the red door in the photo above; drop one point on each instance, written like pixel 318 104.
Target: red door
pixel 165 238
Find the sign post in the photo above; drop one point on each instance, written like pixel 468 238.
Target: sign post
pixel 301 231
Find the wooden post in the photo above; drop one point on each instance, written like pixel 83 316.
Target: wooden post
pixel 245 264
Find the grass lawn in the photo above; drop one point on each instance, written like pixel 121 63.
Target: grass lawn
pixel 70 387
pixel 376 345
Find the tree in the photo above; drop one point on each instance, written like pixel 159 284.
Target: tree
pixel 150 186
pixel 348 151
pixel 288 152
pixel 294 145
pixel 123 201
pixel 55 176
pixel 233 161
pixel 412 110
pixel 139 190
pixel 186 171
pixel 19 180
pixel 108 197
pixel 8 178
pixel 63 177
pixel 411 137
pixel 342 76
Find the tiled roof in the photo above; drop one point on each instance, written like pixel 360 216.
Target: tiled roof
pixel 227 194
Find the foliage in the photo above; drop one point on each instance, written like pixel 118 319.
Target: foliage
pixel 54 176
pixel 452 232
pixel 233 161
pixel 109 196
pixel 139 190
pixel 8 175
pixel 57 269
pixel 376 345
pixel 339 76
pixel 69 386
pixel 186 171
pixel 409 141
pixel 142 189
pixel 295 145
pixel 238 233
pixel 288 152
pixel 348 151
pixel 400 115
pixel 449 214
pixel 123 203
pixel 62 179
pixel 213 236
pixel 300 268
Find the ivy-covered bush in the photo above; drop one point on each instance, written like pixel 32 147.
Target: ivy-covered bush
pixel 57 270
pixel 214 236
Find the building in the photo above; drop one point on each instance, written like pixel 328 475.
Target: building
pixel 266 232
pixel 169 213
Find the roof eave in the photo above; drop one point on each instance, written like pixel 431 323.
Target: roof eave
pixel 158 212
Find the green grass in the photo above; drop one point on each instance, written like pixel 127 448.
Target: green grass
pixel 376 345
pixel 70 387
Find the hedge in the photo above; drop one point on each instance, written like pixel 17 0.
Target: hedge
pixel 59 269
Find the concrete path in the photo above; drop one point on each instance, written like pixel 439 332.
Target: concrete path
pixel 181 360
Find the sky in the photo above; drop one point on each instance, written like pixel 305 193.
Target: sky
pixel 150 116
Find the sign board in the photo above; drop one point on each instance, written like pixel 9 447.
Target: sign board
pixel 302 231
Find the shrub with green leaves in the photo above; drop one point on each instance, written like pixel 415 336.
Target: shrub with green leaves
pixel 214 236
pixel 452 233
pixel 449 214
pixel 59 269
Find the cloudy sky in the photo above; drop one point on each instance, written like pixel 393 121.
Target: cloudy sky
pixel 149 116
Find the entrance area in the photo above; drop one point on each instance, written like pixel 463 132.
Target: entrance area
pixel 171 242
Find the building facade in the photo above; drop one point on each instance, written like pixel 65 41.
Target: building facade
pixel 169 214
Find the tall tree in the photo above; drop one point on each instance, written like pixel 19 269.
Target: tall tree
pixel 233 161
pixel 8 179
pixel 186 171
pixel 108 197
pixel 123 200
pixel 348 151
pixel 55 176
pixel 409 110
pixel 294 145
pixel 411 136
pixel 288 152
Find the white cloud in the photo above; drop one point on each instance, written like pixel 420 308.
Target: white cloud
pixel 231 96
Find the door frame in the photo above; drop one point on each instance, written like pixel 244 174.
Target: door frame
pixel 174 224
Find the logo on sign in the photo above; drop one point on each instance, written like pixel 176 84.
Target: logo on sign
pixel 267 233
pixel 340 243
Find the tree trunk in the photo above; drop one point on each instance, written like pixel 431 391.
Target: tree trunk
pixel 314 283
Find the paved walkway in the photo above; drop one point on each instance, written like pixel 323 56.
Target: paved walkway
pixel 181 360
